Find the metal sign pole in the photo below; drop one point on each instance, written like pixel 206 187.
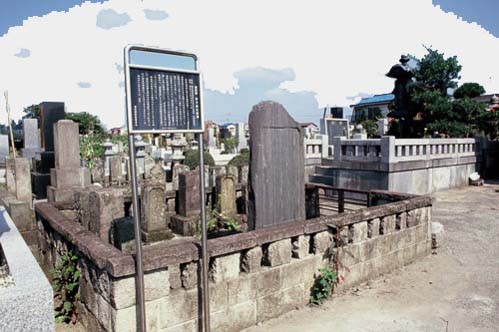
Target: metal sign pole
pixel 139 271
pixel 205 260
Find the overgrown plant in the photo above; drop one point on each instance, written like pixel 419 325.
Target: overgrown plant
pixel 66 276
pixel 216 221
pixel 329 276
pixel 324 285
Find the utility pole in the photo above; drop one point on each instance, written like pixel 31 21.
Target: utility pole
pixel 7 108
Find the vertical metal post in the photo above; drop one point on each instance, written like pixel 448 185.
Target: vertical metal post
pixel 139 271
pixel 205 261
pixel 341 201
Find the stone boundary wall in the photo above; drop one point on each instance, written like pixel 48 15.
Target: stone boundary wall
pixel 254 276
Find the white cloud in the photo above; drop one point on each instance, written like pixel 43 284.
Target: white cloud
pixel 108 19
pixel 155 15
pixel 23 53
pixel 84 85
pixel 332 49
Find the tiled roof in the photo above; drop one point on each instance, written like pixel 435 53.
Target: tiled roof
pixel 376 99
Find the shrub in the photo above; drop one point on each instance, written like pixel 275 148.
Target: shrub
pixel 192 159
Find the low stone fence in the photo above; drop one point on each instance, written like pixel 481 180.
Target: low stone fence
pixel 254 276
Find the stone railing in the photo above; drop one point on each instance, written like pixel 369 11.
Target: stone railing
pixel 315 149
pixel 254 276
pixel 388 149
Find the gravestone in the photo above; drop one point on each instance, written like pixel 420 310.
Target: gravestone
pixel 50 113
pixel 154 221
pixel 31 138
pixel 66 176
pixel 116 170
pixel 226 195
pixel 22 179
pixel 276 180
pixel 4 148
pixel 188 204
pixel 108 154
pixel 105 206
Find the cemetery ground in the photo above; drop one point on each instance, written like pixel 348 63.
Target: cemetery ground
pixel 456 289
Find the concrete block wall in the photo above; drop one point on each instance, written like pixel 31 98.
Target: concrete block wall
pixel 254 276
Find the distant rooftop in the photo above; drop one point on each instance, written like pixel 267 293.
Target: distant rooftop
pixel 375 100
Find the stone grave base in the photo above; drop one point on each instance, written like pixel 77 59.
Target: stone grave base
pixel 184 225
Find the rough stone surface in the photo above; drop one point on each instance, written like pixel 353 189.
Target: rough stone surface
pixel 301 246
pixel 225 267
pixel 278 253
pixel 226 195
pixel 359 231
pixel 107 205
pixel 276 184
pixel 22 179
pixel 188 194
pixel 252 260
pixel 373 227
pixel 189 275
pixel 123 294
pixel 321 242
pixel 153 208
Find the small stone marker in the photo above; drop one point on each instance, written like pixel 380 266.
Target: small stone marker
pixel 4 148
pixel 31 138
pixel 154 220
pixel 276 183
pixel 188 206
pixel 226 195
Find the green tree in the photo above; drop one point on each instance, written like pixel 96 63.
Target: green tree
pixel 31 112
pixel 88 123
pixel 241 159
pixel 230 144
pixel 192 159
pixel 470 90
pixel 434 77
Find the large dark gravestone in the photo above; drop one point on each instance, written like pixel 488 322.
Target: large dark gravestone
pixel 277 171
pixel 50 113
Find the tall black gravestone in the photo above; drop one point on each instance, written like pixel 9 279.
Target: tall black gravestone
pixel 277 167
pixel 50 113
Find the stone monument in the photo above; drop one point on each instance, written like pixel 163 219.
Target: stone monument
pixel 31 138
pixel 189 204
pixel 50 113
pixel 276 180
pixel 154 221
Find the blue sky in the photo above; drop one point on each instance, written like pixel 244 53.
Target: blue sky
pixel 15 11
pixel 483 12
pixel 73 50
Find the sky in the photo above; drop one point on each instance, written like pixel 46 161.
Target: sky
pixel 305 55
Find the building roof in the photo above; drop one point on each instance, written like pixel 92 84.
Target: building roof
pixel 306 124
pixel 375 100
